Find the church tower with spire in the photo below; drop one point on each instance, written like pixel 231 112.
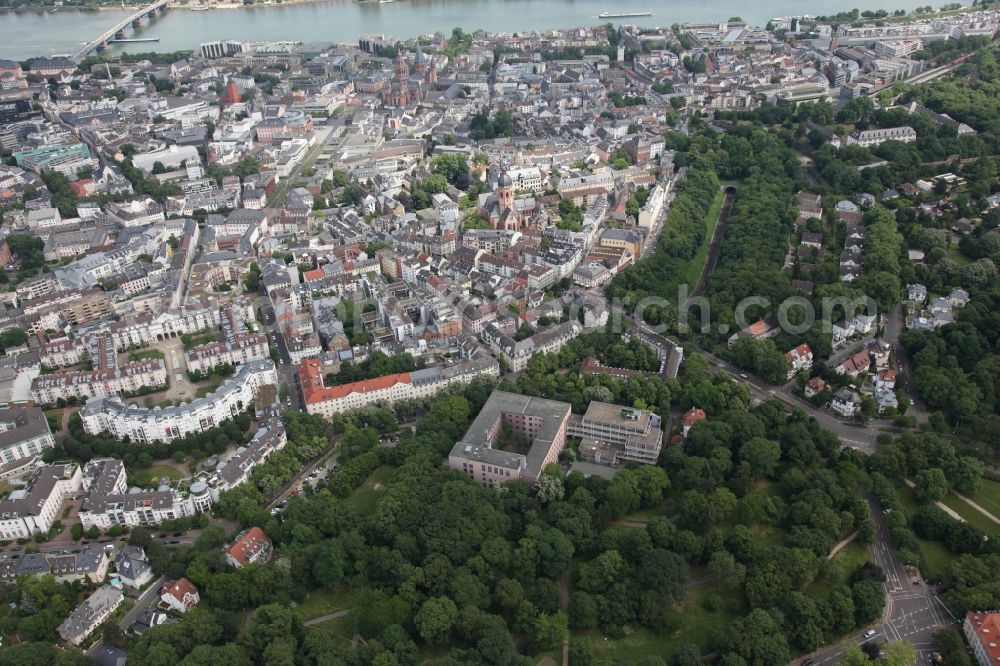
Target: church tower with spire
pixel 505 191
pixel 402 69
pixel 419 62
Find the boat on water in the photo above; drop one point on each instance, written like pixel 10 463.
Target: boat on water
pixel 200 8
pixel 623 14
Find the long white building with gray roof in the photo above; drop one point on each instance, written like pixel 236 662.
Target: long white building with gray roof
pixel 163 424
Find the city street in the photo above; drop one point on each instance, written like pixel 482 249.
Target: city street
pixel 855 435
pixel 894 325
pixel 913 611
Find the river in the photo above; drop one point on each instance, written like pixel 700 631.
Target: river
pixel 27 34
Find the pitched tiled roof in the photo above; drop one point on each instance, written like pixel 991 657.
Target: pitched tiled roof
pixel 313 391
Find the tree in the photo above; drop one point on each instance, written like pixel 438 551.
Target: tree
pixel 762 455
pixel 951 646
pixel 805 621
pixel 728 573
pixel 687 654
pixel 375 610
pixel 550 630
pixel 899 653
pixel 436 618
pixel 583 612
pixel 967 475
pixel 549 488
pixel 693 509
pixel 869 600
pixel 932 485
pixel 453 167
pixel 598 574
pixel 623 494
pixel 664 572
pixel 758 640
pixel 13 337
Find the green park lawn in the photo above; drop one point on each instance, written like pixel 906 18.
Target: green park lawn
pixel 696 622
pixel 691 271
pixel 934 556
pixel 340 630
pixel 324 601
pixel 54 417
pixel 214 382
pixel 971 516
pixel 144 477
pixel 363 499
pixel 838 571
pixel 645 515
pixel 988 497
pixel 145 354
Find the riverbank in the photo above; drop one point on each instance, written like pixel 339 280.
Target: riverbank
pixel 34 32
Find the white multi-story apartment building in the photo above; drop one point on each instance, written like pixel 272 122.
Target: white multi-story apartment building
pixel 129 378
pixel 110 502
pixel 136 212
pixel 150 329
pixel 143 425
pixel 33 509
pixel 650 212
pixel 875 137
pixel 517 353
pixel 897 48
pixel 24 435
pixel 231 473
pixel 239 350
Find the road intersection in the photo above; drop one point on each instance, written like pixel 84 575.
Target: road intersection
pixel 913 610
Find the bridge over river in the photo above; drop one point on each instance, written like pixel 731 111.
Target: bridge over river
pixel 134 20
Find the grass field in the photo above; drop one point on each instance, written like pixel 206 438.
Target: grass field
pixel 54 417
pixel 697 621
pixel 325 601
pixel 988 497
pixel 363 499
pixel 644 515
pixel 692 270
pixel 340 630
pixel 934 557
pixel 145 354
pixel 212 384
pixel 955 255
pixel 971 516
pixel 144 477
pixel 838 571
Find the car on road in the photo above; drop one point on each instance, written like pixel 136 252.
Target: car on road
pixel 870 633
